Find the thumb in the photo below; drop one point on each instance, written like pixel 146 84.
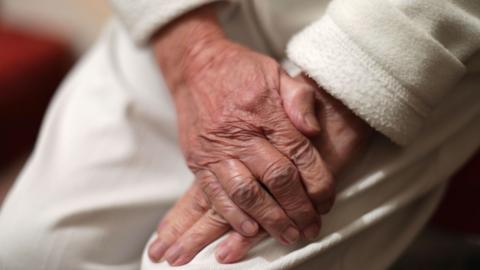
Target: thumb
pixel 298 99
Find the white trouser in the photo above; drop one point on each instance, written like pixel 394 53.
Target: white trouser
pixel 106 168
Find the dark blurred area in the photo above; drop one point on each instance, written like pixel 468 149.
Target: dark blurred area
pixel 451 240
pixel 40 41
pixel 31 68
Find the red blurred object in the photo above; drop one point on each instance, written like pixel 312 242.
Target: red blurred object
pixel 459 210
pixel 31 68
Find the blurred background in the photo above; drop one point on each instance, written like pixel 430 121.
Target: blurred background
pixel 40 40
pixel 77 22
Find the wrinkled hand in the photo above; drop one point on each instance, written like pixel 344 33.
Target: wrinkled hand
pixel 252 163
pixel 343 135
pixel 192 223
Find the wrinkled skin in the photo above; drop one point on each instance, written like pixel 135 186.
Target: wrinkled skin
pixel 243 125
pixel 255 168
pixel 234 130
pixel 193 223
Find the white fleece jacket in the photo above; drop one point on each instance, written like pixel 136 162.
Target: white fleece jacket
pixel 390 61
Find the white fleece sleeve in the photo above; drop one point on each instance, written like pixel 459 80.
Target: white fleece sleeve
pixel 143 17
pixel 390 61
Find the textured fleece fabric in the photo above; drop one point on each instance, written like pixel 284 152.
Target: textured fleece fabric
pixel 390 61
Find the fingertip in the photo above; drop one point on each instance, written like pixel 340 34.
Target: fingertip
pixel 225 254
pixel 236 247
pixel 312 231
pixel 326 206
pixel 290 236
pixel 222 253
pixel 157 250
pixel 176 255
pixel 232 249
pixel 249 228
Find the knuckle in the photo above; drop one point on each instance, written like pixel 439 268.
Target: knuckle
pixel 246 192
pixel 191 160
pixel 301 211
pixel 280 175
pixel 211 187
pixel 226 208
pixel 251 100
pixel 193 157
pixel 271 65
pixel 301 152
pixel 216 219
pixel 200 202
pixel 169 230
pixel 274 218
pixel 304 210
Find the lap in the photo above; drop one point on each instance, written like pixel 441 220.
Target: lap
pixel 354 246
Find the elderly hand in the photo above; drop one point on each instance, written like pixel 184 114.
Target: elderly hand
pixel 254 166
pixel 193 223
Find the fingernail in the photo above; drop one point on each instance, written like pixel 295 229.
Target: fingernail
pixel 180 261
pixel 249 227
pixel 223 253
pixel 312 231
pixel 311 121
pixel 157 249
pixel 174 254
pixel 291 235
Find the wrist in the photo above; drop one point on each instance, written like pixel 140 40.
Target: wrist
pixel 185 40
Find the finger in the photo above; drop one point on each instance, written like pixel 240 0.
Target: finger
pixel 247 193
pixel 206 230
pixel 282 179
pixel 315 174
pixel 188 210
pixel 298 99
pixel 236 246
pixel 222 204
